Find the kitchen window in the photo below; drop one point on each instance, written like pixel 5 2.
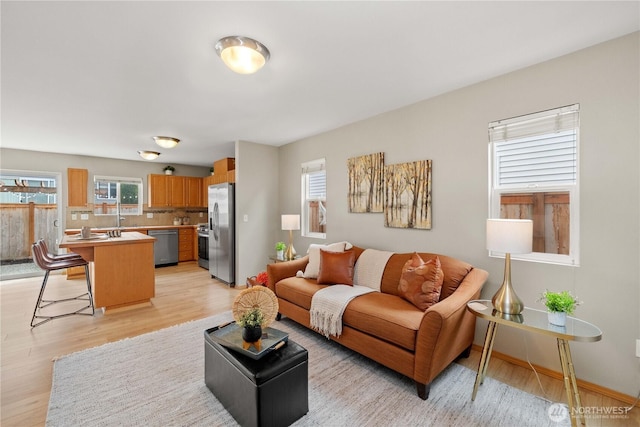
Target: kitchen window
pixel 117 196
pixel 314 199
pixel 534 174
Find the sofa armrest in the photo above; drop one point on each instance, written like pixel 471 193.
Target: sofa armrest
pixel 447 328
pixel 281 270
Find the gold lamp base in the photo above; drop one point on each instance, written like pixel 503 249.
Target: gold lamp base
pixel 291 252
pixel 505 300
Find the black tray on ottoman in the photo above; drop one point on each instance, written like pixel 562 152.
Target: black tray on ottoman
pixel 270 391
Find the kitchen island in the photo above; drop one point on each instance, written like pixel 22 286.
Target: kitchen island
pixel 122 268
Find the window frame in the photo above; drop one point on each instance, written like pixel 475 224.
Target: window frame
pixel 496 190
pixel 118 181
pixel 307 169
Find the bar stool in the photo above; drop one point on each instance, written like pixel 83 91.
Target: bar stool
pixel 48 255
pixel 51 264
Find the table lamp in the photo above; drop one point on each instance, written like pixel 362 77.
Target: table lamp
pixel 290 223
pixel 511 236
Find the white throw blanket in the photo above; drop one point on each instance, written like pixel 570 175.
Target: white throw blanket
pixel 328 304
pixel 370 268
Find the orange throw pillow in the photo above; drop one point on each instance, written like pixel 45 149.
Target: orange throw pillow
pixel 421 281
pixel 336 267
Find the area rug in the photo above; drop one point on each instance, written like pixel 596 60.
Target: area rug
pixel 157 379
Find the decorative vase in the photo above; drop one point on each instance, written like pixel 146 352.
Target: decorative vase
pixel 280 254
pixel 168 172
pixel 558 318
pixel 251 333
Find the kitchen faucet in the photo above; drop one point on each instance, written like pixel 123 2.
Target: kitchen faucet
pixel 119 218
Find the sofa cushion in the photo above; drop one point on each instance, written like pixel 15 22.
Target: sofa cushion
pixel 421 281
pixel 336 267
pixel 298 290
pixel 385 316
pixel 313 267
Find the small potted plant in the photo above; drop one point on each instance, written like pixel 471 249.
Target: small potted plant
pixel 168 170
pixel 280 247
pixel 559 304
pixel 251 323
pixel 211 171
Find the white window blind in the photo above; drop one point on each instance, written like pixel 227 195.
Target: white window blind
pixel 317 185
pixel 538 150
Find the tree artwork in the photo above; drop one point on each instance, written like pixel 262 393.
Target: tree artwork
pixel 408 195
pixel 366 183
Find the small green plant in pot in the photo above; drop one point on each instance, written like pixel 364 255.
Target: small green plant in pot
pixel 169 170
pixel 251 323
pixel 559 304
pixel 280 247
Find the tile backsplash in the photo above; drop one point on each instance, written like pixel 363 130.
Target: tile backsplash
pixel 160 217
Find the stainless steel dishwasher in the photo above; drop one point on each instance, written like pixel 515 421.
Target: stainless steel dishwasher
pixel 165 248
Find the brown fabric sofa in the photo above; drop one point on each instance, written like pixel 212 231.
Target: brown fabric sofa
pixel 387 328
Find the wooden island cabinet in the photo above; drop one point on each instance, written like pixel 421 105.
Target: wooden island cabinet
pixel 122 268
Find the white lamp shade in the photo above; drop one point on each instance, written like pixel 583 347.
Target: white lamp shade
pixel 291 222
pixel 514 236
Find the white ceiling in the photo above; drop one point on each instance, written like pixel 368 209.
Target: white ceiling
pixel 102 78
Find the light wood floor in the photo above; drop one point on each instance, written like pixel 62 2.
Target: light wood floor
pixel 184 292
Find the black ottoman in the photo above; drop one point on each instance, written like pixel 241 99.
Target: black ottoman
pixel 270 391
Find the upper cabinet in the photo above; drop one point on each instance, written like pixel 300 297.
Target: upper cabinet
pixel 77 181
pixel 188 191
pixel 224 171
pixel 174 191
pixel 193 192
pixel 158 191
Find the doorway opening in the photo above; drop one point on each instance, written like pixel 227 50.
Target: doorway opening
pixel 29 211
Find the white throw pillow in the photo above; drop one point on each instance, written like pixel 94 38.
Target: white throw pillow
pixel 313 267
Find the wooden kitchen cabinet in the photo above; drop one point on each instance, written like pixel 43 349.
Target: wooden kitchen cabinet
pixel 77 181
pixel 224 171
pixel 193 187
pixel 158 190
pixel 185 244
pixel 177 194
pixel 166 190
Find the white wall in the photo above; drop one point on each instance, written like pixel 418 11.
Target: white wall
pixel 451 129
pixel 257 198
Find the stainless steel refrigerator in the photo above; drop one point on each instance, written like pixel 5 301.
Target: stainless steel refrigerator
pixel 222 233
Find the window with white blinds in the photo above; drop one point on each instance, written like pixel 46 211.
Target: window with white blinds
pixel 314 199
pixel 534 175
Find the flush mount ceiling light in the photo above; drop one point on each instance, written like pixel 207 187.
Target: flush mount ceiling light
pixel 148 155
pixel 166 141
pixel 242 54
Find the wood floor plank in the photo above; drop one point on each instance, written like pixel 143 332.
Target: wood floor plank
pixel 183 293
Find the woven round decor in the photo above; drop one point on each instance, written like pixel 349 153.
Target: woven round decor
pixel 256 297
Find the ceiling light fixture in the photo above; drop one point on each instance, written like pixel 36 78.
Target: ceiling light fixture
pixel 148 155
pixel 166 141
pixel 242 54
